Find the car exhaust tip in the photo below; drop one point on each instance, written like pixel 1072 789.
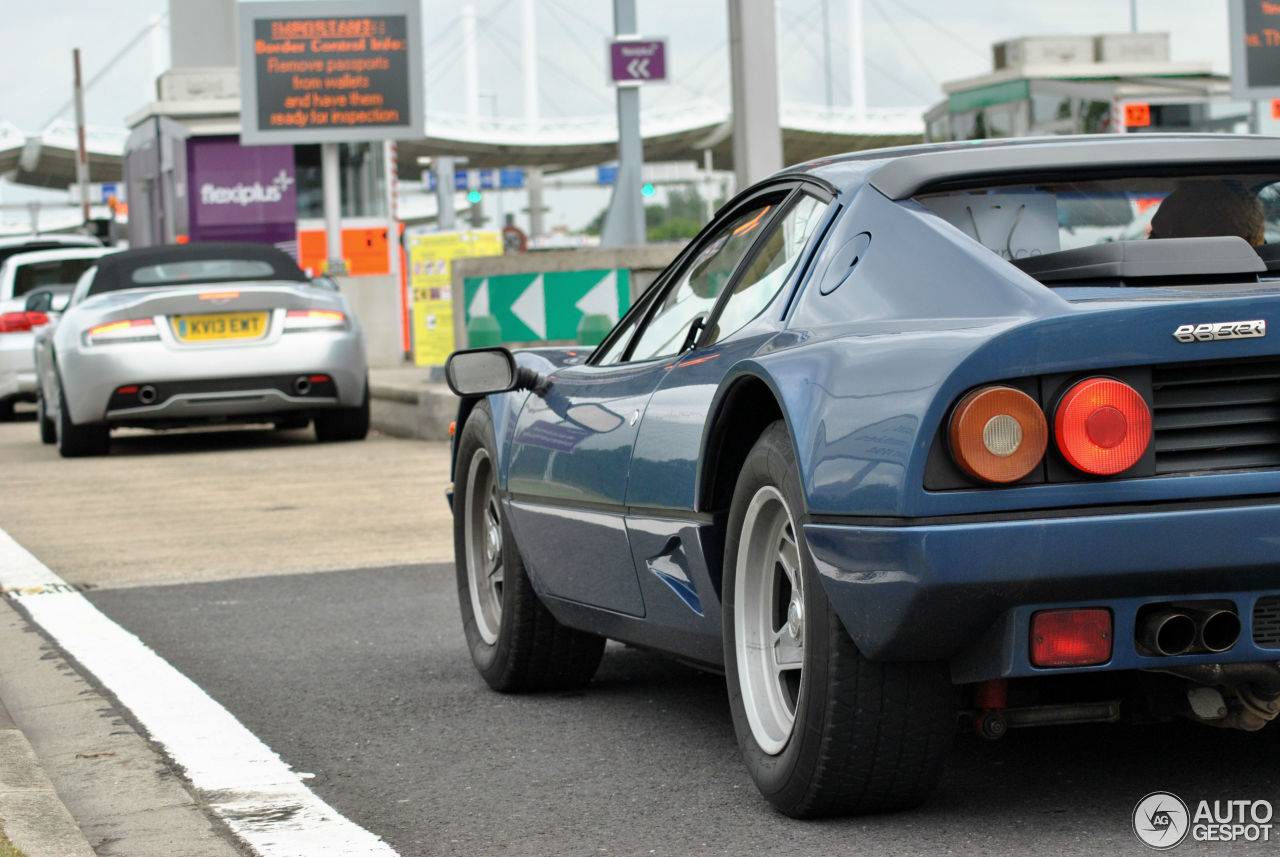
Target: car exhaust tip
pixel 147 394
pixel 302 385
pixel 1216 630
pixel 1167 632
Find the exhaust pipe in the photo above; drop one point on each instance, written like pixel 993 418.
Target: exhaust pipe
pixel 302 385
pixel 1217 630
pixel 146 394
pixel 1166 631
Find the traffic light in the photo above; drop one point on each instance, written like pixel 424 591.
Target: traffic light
pixel 474 196
pixel 647 189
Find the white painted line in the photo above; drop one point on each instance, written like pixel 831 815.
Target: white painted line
pixel 246 784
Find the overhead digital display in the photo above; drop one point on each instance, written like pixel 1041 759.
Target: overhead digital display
pixel 329 72
pixel 1255 48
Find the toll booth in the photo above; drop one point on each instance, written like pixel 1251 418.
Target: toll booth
pixel 1111 83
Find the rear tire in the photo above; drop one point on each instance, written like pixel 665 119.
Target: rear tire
pixel 6 411
pixel 75 441
pixel 48 431
pixel 515 642
pixel 823 730
pixel 338 424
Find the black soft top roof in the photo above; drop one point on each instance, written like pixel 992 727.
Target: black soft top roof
pixel 116 271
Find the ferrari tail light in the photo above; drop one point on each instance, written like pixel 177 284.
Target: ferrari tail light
pixel 1077 637
pixel 314 319
pixel 1102 426
pixel 998 434
pixel 21 322
pixel 129 330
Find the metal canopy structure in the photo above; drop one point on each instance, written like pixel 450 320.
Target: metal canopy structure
pixel 808 132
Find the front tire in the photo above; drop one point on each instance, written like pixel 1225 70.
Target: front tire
pixel 515 642
pixel 75 441
pixel 823 730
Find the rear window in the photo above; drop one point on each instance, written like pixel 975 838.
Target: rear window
pixel 1018 221
pixel 202 270
pixel 59 272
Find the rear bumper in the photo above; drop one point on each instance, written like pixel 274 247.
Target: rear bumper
pixel 964 592
pixel 17 366
pixel 196 376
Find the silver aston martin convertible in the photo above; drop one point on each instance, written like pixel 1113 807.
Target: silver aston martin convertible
pixel 200 334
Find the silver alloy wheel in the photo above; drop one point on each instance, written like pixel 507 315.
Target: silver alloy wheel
pixel 769 619
pixel 484 546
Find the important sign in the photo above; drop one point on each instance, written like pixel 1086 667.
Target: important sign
pixel 1255 48
pixel 330 71
pixel 638 60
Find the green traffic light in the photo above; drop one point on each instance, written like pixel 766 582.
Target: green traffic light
pixel 474 196
pixel 647 189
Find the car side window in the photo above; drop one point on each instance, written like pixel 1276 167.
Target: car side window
pixel 704 277
pixel 771 267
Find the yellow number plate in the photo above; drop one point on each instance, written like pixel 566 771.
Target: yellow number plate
pixel 223 325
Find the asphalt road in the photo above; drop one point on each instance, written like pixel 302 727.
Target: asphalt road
pixel 360 675
pixel 362 678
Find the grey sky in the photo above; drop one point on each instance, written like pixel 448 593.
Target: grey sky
pixel 912 46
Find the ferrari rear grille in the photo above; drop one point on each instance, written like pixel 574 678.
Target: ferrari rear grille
pixel 1266 622
pixel 1216 416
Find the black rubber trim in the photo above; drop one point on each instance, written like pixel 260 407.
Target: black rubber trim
pixel 1041 514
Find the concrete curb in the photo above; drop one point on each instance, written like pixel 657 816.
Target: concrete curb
pixel 31 813
pixel 407 403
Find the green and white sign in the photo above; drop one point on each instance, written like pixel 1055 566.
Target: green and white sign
pixel 546 307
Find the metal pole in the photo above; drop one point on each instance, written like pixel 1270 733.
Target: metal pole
pixel 529 63
pixel 537 210
pixel 624 222
pixel 470 66
pixel 857 62
pixel 82 153
pixel 826 50
pixel 753 69
pixel 331 178
pixel 1133 15
pixel 446 217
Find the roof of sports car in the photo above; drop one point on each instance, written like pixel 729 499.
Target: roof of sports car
pixel 115 271
pixel 902 172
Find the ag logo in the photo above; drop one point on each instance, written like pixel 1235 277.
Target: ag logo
pixel 1161 821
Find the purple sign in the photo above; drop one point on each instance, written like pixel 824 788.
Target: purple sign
pixel 638 60
pixel 241 193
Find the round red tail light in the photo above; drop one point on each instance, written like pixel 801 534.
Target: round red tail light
pixel 998 434
pixel 1102 426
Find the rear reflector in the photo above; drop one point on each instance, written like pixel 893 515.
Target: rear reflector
pixel 1071 638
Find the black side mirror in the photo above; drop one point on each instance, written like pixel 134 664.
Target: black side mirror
pixel 39 302
pixel 484 371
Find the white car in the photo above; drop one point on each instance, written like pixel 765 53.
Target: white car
pixel 20 274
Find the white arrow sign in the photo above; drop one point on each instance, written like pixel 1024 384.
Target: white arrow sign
pixel 602 299
pixel 531 307
pixel 639 67
pixel 480 301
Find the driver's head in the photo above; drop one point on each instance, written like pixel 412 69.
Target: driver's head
pixel 1209 207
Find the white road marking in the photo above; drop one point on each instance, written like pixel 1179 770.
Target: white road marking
pixel 243 781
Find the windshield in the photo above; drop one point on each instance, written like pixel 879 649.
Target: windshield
pixel 1019 221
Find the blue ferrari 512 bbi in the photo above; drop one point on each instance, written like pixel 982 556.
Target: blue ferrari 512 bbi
pixel 980 434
